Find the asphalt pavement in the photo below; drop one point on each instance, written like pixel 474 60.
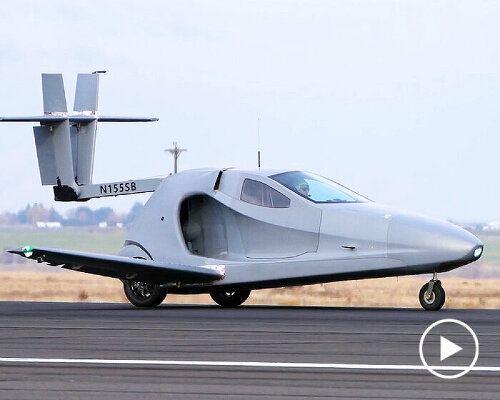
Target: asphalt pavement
pixel 252 352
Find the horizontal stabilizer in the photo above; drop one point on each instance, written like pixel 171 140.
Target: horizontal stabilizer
pixel 123 267
pixel 43 119
pixel 103 118
pixel 76 119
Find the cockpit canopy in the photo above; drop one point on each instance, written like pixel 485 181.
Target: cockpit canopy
pixel 316 188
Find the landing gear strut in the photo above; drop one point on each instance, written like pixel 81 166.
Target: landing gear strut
pixel 432 295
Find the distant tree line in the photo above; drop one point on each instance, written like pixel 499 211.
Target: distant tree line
pixel 80 216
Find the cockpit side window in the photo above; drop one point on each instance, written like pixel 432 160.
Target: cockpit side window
pixel 260 194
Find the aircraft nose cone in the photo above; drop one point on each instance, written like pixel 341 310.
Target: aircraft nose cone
pixel 418 240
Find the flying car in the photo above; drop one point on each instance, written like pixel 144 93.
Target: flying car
pixel 227 232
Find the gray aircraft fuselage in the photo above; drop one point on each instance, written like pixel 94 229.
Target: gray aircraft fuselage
pixel 187 221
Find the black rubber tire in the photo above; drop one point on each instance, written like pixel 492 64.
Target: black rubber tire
pixel 230 299
pixel 152 294
pixel 435 303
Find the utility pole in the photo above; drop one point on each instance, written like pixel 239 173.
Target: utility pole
pixel 176 152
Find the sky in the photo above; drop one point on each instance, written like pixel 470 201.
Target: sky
pixel 398 100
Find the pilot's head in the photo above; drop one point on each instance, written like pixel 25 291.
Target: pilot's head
pixel 303 188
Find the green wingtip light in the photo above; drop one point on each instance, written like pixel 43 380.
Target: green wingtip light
pixel 28 251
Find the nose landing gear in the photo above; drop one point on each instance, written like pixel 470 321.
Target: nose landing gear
pixel 432 295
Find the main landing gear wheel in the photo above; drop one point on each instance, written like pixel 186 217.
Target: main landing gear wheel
pixel 432 295
pixel 230 299
pixel 144 294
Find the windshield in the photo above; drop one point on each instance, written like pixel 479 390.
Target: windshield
pixel 317 188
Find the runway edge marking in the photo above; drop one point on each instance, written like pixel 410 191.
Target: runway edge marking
pixel 250 364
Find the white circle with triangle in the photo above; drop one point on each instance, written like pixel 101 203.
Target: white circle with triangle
pixel 447 348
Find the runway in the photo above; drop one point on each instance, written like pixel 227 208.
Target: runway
pixel 206 352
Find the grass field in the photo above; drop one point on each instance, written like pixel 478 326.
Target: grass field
pixel 97 240
pixel 491 249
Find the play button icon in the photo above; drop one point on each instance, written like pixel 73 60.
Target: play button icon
pixel 447 348
pixel 440 352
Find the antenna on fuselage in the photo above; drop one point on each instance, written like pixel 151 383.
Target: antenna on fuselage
pixel 258 143
pixel 176 152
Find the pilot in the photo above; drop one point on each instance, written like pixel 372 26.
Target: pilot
pixel 303 188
